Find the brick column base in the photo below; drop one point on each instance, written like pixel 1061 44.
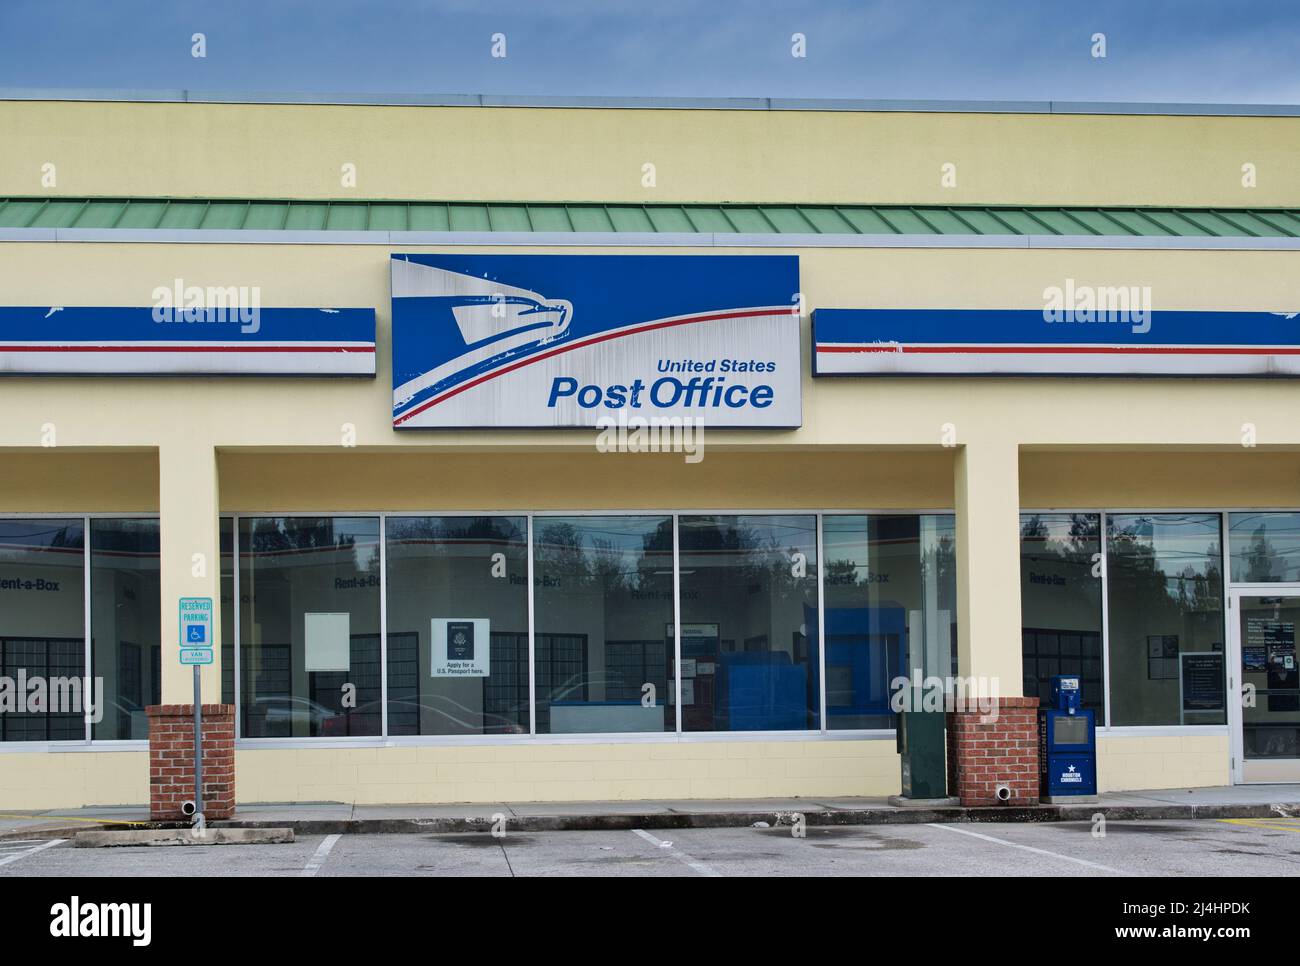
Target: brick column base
pixel 171 760
pixel 998 749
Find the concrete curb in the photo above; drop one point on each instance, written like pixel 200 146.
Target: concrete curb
pixel 182 837
pixel 49 832
pixel 812 817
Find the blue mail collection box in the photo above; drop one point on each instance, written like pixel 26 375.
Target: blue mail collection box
pixel 1067 744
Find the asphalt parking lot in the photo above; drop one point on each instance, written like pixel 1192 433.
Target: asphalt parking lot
pixel 1241 847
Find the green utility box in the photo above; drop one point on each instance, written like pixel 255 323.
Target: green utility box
pixel 921 745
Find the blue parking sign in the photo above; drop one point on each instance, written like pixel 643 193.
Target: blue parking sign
pixel 195 621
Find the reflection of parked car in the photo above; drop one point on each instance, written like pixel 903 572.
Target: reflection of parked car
pixel 589 686
pixel 584 687
pixel 431 714
pixel 285 715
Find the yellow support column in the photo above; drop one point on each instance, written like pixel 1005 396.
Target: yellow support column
pixel 190 559
pixel 191 567
pixel 992 741
pixel 987 495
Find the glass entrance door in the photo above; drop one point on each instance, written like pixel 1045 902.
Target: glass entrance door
pixel 1267 746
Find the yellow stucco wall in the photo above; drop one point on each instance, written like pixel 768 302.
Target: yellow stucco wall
pixel 1142 479
pixel 1165 761
pixel 72 779
pixel 379 480
pixel 191 446
pixel 53 480
pixel 570 772
pixel 524 771
pixel 907 412
pixel 486 154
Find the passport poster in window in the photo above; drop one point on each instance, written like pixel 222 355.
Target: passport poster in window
pixel 460 648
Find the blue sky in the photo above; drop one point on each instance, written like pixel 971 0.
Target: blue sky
pixel 1163 50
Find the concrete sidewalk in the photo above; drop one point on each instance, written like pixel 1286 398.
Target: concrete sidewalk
pixel 327 818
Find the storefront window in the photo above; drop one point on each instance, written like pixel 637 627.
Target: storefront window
pixel 125 647
pixel 890 607
pixel 42 624
pixel 1060 604
pixel 1165 602
pixel 226 539
pixel 457 625
pixel 603 634
pixel 309 658
pixel 1264 547
pixel 749 611
pixel 604 613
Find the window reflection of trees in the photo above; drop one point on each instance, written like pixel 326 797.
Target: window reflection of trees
pixel 1153 569
pixel 629 557
pixel 269 536
pixel 751 552
pixel 1265 547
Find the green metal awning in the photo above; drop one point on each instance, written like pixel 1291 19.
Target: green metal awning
pixel 464 216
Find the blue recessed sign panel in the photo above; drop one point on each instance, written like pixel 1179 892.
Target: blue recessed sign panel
pixel 564 340
pixel 214 341
pixel 1032 342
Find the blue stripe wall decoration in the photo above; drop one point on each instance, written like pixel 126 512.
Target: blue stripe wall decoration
pixel 1032 342
pixel 88 340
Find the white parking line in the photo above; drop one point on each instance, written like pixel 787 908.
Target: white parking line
pixel 695 864
pixel 1027 848
pixel 319 856
pixel 17 854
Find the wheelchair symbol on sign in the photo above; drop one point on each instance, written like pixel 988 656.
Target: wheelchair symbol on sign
pixel 196 634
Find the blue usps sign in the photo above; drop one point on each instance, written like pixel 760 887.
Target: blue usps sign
pixel 564 340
